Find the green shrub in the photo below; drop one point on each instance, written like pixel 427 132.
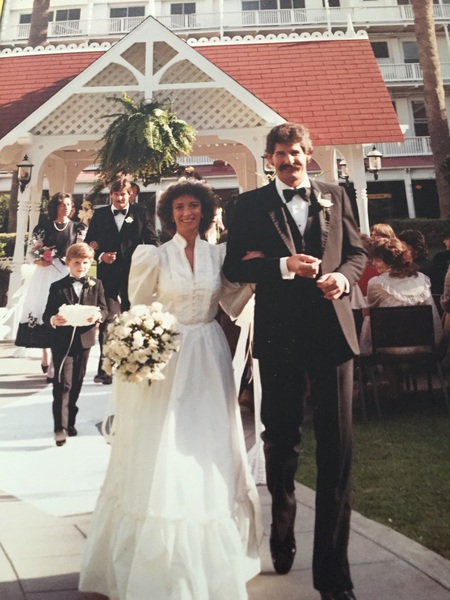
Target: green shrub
pixel 434 230
pixel 7 243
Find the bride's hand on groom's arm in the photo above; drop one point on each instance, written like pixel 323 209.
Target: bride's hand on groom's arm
pixel 253 254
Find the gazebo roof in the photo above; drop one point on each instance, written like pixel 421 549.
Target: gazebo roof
pixel 334 87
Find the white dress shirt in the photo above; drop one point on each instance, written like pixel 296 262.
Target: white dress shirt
pixel 299 211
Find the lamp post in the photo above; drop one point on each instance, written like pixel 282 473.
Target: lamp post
pixel 25 168
pixel 374 159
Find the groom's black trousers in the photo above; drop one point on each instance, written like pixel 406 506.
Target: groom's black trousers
pixel 283 379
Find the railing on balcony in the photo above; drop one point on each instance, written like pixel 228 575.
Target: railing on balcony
pixel 123 24
pixel 64 28
pixel 412 146
pixel 404 72
pixel 364 16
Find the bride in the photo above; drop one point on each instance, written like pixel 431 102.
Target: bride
pixel 178 515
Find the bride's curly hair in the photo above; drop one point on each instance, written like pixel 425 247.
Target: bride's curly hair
pixel 198 190
pixel 396 254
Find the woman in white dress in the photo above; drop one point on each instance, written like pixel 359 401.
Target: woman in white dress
pixel 57 232
pixel 178 514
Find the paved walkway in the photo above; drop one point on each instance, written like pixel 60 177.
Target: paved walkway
pixel 47 495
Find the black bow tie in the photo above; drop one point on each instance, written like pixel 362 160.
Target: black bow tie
pixel 81 280
pixel 289 194
pixel 123 211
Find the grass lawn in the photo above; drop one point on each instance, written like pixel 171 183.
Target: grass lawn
pixel 401 471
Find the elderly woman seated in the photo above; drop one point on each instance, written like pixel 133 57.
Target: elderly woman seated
pixel 398 283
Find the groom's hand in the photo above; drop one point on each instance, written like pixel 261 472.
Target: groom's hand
pixel 333 285
pixel 304 265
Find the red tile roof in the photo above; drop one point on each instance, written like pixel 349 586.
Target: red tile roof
pixel 335 88
pixel 27 81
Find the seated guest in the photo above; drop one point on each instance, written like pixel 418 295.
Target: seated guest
pixel 399 283
pixel 416 242
pixel 381 230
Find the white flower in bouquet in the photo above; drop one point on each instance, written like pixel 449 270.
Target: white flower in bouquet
pixel 140 342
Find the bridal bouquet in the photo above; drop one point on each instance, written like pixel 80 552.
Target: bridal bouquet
pixel 41 252
pixel 139 343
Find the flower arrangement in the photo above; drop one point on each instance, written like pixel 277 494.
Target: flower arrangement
pixel 86 212
pixel 41 252
pixel 139 343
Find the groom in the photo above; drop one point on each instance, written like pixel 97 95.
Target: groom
pixel 311 256
pixel 114 232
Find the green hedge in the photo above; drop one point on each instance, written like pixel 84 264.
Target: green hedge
pixel 7 243
pixel 434 230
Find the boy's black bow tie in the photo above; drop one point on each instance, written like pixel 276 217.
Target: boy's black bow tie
pixel 289 193
pixel 123 211
pixel 81 280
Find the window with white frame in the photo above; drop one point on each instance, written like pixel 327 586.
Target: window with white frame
pixel 124 18
pixel 182 8
pixel 272 4
pixel 67 14
pixel 332 3
pixel 420 118
pixel 407 2
pixel 410 52
pixel 380 49
pixel 64 22
pixel 125 12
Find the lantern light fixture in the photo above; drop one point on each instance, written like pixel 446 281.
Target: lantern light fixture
pixel 374 162
pixel 25 168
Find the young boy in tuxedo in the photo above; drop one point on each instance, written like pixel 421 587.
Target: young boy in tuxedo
pixel 71 344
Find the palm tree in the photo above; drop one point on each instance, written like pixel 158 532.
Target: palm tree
pixel 144 142
pixel 39 23
pixel 434 96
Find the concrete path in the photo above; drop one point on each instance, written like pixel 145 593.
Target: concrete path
pixel 47 495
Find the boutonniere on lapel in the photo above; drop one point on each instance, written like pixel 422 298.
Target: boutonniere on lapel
pixel 129 220
pixel 324 201
pixel 89 283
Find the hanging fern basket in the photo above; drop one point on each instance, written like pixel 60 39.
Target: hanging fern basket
pixel 144 141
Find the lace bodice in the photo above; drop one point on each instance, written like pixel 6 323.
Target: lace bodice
pixel 165 274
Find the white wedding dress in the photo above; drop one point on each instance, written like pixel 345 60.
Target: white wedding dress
pixel 178 514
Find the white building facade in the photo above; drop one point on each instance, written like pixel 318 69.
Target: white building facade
pixel 406 184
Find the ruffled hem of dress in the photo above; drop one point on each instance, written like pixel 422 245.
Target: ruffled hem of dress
pixel 126 555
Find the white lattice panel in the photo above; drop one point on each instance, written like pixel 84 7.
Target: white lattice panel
pixel 184 72
pixel 81 114
pixel 135 55
pixel 162 53
pixel 212 109
pixel 113 74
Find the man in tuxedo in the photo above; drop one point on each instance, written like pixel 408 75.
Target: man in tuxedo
pixel 309 257
pixel 71 345
pixel 114 232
